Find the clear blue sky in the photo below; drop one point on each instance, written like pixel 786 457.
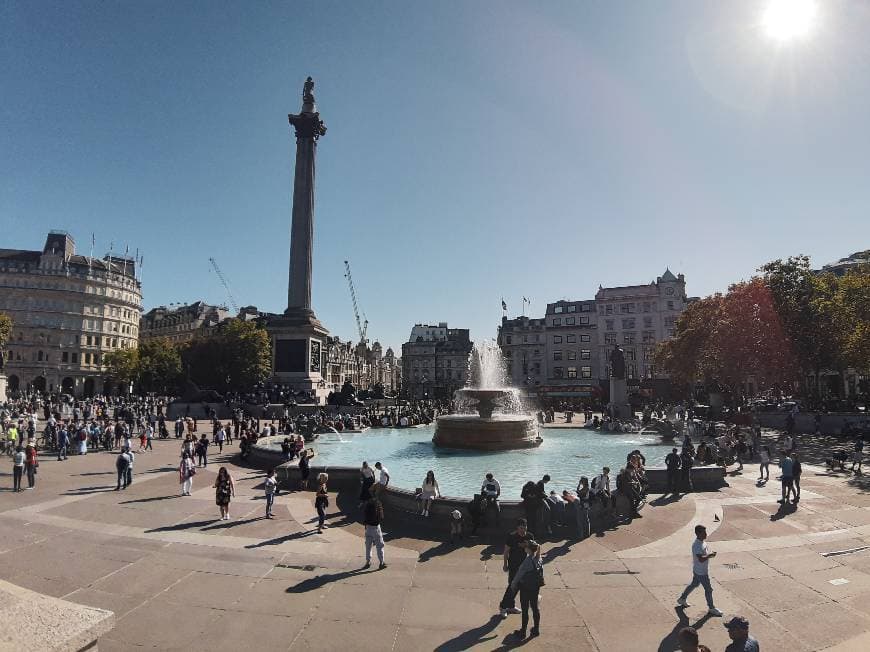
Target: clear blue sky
pixel 475 149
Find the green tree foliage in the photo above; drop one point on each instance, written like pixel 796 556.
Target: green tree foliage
pixel 691 354
pixel 236 358
pixel 5 329
pixel 803 300
pixel 851 304
pixel 123 365
pixel 159 366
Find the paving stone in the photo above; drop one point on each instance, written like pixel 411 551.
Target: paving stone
pixel 330 635
pixel 840 624
pixel 210 590
pixel 446 608
pixel 359 603
pixel 144 577
pixel 234 631
pixel 776 593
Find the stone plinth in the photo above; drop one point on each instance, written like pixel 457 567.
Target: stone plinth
pixel 2 388
pixel 33 621
pixel 619 405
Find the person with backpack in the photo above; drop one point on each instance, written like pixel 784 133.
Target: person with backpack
pixel 528 581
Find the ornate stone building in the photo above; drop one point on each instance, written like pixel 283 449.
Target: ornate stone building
pixel 435 361
pixel 68 312
pixel 362 365
pixel 181 324
pixel 567 353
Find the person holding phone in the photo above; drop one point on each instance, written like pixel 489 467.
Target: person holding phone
pixel 700 573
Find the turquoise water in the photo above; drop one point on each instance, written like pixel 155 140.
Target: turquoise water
pixel 565 455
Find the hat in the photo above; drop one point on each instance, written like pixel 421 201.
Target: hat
pixel 739 622
pixel 456 514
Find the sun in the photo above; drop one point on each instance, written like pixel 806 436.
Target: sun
pixel 788 20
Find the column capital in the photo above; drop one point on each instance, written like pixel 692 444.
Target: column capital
pixel 307 125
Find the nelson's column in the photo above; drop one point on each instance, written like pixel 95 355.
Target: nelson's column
pixel 298 338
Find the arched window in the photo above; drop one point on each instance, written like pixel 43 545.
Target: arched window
pixel 39 356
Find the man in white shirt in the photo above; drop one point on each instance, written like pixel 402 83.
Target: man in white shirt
pixel 601 487
pixel 383 478
pixel 700 576
pixel 149 435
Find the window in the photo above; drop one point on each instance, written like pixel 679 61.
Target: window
pixel 557 355
pixel 572 355
pixel 569 321
pixel 647 322
pixel 75 358
pixel 508 339
pixel 646 306
pixel 608 310
pixel 557 339
pixel 610 338
pixel 571 339
pixel 525 338
pixel 649 337
pixel 628 324
pixel 648 354
pixel 572 372
pixel 537 337
pixel 631 354
pixel 586 307
pixel 608 324
pixel 96 358
pixel 585 354
pixel 584 321
pixel 670 305
pixel 89 340
pixel 557 321
pixel 558 310
pixel 585 338
pixel 572 308
pixel 64 357
pixel 632 370
pixel 557 372
pixel 628 338
pixel 586 372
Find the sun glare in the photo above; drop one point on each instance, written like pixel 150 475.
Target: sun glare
pixel 787 20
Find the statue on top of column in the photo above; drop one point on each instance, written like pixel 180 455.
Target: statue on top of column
pixel 308 91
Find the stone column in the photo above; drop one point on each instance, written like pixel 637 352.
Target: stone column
pixel 309 128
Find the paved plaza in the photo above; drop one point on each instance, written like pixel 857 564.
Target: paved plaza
pixel 176 577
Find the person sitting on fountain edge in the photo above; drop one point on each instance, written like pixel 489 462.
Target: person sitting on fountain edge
pixel 490 492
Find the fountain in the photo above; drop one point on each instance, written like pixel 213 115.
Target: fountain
pixel 508 428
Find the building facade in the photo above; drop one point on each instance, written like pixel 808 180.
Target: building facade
pixel 360 364
pixel 637 317
pixel 180 324
pixel 68 312
pixel 435 361
pixel 567 353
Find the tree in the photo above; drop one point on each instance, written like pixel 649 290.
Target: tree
pixel 729 338
pixel 5 335
pixel 851 305
pixel 159 365
pixel 236 358
pixel 690 354
pixel 123 365
pixel 802 300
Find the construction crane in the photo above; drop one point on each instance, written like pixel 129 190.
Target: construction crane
pixel 226 285
pixel 362 325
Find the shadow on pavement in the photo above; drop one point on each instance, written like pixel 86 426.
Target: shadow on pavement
pixel 322 580
pixel 182 526
pixel 784 510
pixel 147 500
pixel 472 637
pixel 279 540
pixel 671 641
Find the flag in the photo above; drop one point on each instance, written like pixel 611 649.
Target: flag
pixel 503 305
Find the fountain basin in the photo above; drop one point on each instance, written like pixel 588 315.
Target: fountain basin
pixel 499 432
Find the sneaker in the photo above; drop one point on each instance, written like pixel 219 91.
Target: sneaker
pixel 368 564
pixel 520 634
pixel 382 566
pixel 714 612
pixel 514 610
pixel 681 603
pixel 503 613
pixel 534 631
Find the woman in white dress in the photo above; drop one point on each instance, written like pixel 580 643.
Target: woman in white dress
pixel 430 492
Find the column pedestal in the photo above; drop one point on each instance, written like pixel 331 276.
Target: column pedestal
pixel 619 406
